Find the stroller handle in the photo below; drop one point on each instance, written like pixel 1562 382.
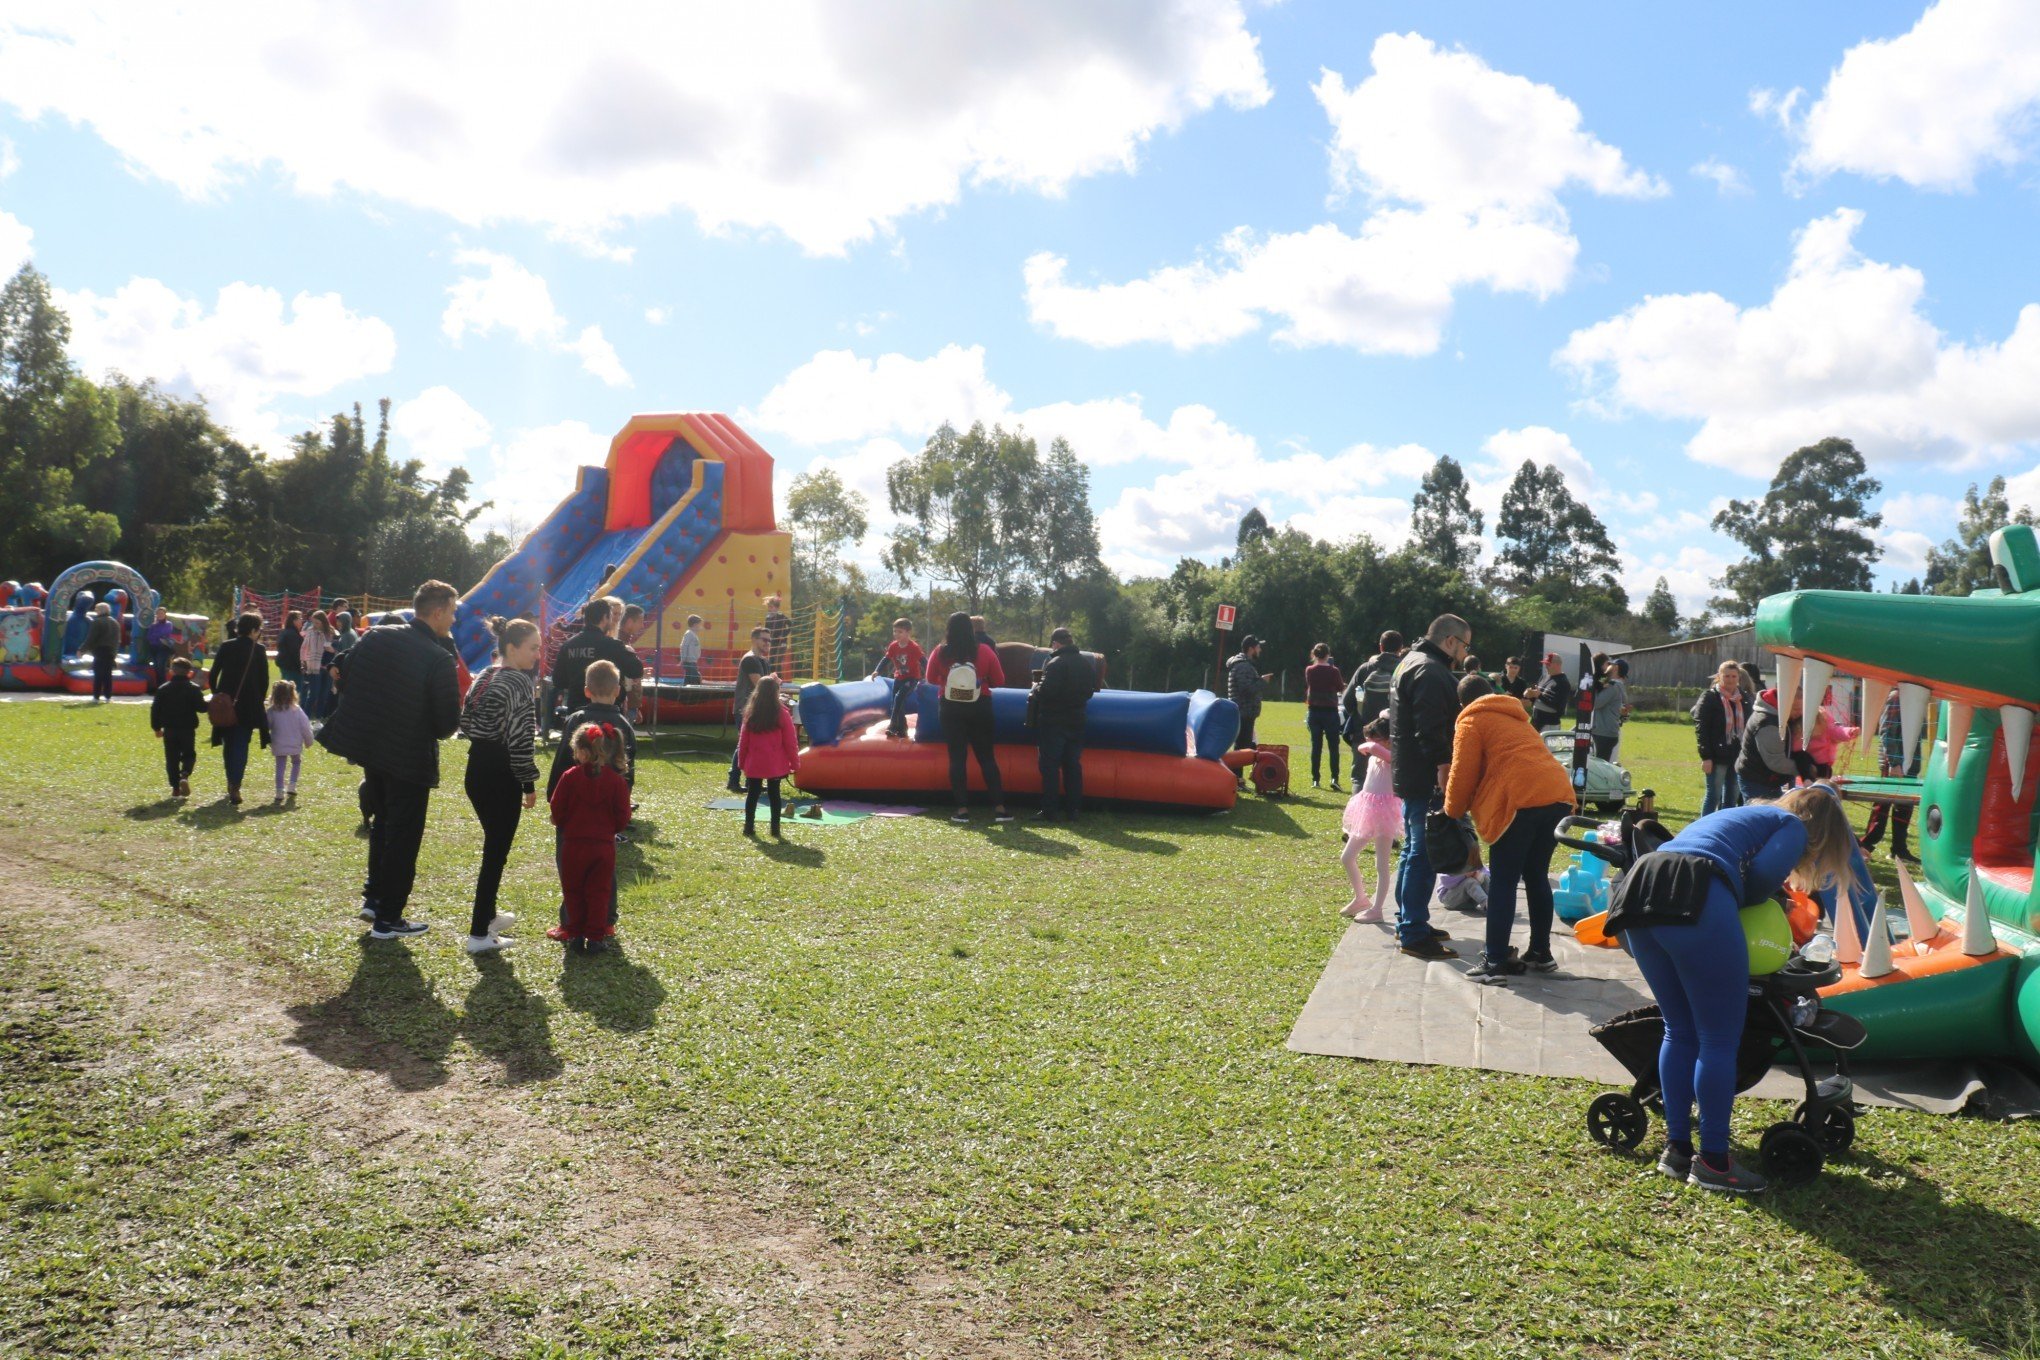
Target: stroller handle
pixel 1610 854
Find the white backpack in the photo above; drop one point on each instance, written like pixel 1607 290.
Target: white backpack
pixel 961 684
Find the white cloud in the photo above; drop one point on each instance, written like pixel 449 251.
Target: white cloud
pixel 17 244
pixel 837 397
pixel 529 474
pixel 1921 510
pixel 1956 94
pixel 658 316
pixel 504 295
pixel 242 355
pixel 2023 489
pixel 1779 108
pixel 1905 550
pixel 1689 572
pixel 9 160
pixel 823 121
pixel 440 427
pixel 1463 165
pixel 1842 348
pixel 1727 180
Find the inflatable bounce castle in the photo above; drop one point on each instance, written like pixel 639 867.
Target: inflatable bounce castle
pixel 1138 748
pixel 1965 982
pixel 41 630
pixel 679 519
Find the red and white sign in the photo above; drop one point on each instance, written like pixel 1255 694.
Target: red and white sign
pixel 1226 614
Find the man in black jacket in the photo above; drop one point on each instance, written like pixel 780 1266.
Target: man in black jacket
pixel 1554 695
pixel 1067 683
pixel 402 699
pixel 1367 692
pixel 1422 707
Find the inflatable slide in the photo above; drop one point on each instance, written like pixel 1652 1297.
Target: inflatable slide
pixel 679 520
pixel 1164 749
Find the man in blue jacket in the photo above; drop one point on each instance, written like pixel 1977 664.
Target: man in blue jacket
pixel 401 700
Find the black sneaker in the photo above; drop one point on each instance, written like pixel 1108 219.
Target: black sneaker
pixel 1002 816
pixel 1438 934
pixel 391 930
pixel 960 815
pixel 1540 961
pixel 1674 1163
pixel 1430 951
pixel 1736 1180
pixel 1042 816
pixel 1496 972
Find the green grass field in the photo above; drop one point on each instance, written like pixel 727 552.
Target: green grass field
pixel 892 1088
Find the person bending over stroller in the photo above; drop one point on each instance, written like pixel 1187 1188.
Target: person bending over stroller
pixel 1680 911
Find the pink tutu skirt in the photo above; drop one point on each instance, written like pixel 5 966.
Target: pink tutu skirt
pixel 1370 816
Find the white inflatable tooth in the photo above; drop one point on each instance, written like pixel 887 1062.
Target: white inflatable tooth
pixel 2018 729
pixel 1977 939
pixel 1848 940
pixel 1815 675
pixel 1876 693
pixel 1960 717
pixel 1912 716
pixel 1919 922
pixel 1788 684
pixel 1877 949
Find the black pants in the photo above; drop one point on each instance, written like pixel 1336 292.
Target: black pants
pixel 102 674
pixel 498 801
pixel 1324 731
pixel 1900 816
pixel 396 828
pixel 754 787
pixel 1245 740
pixel 967 728
pixel 180 755
pixel 1604 747
pixel 902 700
pixel 1062 770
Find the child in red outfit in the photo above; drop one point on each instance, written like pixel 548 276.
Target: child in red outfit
pixel 767 751
pixel 590 805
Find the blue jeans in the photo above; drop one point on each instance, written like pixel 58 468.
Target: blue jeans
pixel 1523 855
pixel 1062 764
pixel 1700 975
pixel 902 700
pixel 1724 790
pixel 1753 793
pixel 234 753
pixel 313 701
pixel 1324 731
pixel 1415 880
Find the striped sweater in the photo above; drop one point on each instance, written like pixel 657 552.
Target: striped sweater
pixel 502 708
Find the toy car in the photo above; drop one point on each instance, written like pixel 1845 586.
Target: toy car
pixel 1608 789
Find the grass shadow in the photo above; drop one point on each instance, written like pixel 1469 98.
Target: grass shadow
pixel 505 1021
pixel 388 1020
pixel 1115 833
pixel 211 816
pixel 1020 837
pixel 616 993
pixel 633 862
pixel 1953 1264
pixel 156 811
pixel 789 852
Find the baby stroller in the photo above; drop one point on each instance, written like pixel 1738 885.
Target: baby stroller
pixel 1784 1014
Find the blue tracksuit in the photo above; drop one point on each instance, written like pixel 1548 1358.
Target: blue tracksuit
pixel 1700 972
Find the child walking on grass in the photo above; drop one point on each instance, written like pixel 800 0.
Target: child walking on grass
pixel 767 751
pixel 290 732
pixel 590 806
pixel 174 713
pixel 1373 817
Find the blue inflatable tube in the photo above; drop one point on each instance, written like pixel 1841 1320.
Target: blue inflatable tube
pixel 1214 724
pixel 1116 720
pixel 829 711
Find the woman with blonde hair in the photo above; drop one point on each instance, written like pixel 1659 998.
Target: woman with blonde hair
pixel 1680 911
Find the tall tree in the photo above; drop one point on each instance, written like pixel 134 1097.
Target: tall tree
pixel 1661 607
pixel 1253 529
pixel 1064 532
pixel 1962 563
pixel 54 424
pixel 1807 533
pixel 1549 538
pixel 825 517
pixel 1444 526
pixel 965 505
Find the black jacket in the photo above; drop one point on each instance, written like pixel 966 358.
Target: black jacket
pixel 1367 693
pixel 401 698
pixel 290 649
pixel 177 707
pixel 1067 683
pixel 1767 760
pixel 1423 704
pixel 563 754
pixel 238 658
pixel 1554 697
pixel 1710 727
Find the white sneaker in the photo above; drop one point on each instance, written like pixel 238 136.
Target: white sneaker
pixel 487 944
pixel 367 913
pixel 502 921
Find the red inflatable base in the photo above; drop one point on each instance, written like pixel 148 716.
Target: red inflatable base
pixel 870 763
pixel 125 683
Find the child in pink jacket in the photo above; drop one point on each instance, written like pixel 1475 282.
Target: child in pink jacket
pixel 1829 734
pixel 767 750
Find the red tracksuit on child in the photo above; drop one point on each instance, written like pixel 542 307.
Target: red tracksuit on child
pixel 590 805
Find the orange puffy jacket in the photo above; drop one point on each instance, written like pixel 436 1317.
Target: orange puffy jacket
pixel 1500 766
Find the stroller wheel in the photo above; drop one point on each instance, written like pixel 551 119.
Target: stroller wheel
pixel 1792 1156
pixel 1835 1129
pixel 1617 1120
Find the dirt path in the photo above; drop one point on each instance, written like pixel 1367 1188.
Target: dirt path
pixel 629 1224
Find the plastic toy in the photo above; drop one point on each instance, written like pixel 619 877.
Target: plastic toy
pixel 41 629
pixel 1963 981
pixel 1583 886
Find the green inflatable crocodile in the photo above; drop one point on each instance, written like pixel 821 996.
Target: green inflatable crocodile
pixel 1964 984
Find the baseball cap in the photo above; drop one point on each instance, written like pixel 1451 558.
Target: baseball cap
pixel 1248 642
pixel 1550 657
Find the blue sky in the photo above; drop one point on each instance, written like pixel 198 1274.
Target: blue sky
pixel 1240 254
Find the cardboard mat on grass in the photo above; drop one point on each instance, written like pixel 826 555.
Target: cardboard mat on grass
pixel 1374 1002
pixel 794 811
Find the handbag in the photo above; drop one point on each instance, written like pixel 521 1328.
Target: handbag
pixel 223 712
pixel 1448 843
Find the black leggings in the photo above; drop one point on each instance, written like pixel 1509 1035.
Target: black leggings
pixel 754 787
pixel 498 801
pixel 967 728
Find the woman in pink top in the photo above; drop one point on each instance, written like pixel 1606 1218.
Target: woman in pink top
pixel 768 750
pixel 1374 816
